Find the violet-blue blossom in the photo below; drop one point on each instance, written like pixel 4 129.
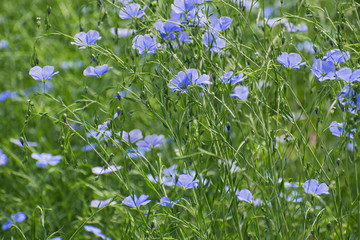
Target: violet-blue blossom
pixel 18 217
pixel 145 44
pixel 132 136
pixel 105 170
pixel 187 181
pixel 136 201
pixel 132 11
pixel 184 37
pixel 3 158
pixel 246 196
pixel 96 231
pixel 185 6
pixel 4 44
pixel 290 61
pixel 221 24
pixel 183 80
pixel 83 39
pixel 165 201
pixel 229 77
pixel 323 70
pixel 8 94
pixel 101 204
pixel 44 159
pixel 348 75
pixel 241 92
pixel 287 184
pixel 307 46
pixel 97 71
pixel 336 56
pixel 102 133
pixel 213 41
pixel 42 74
pixel 23 144
pixel 150 142
pixel 167 29
pixel 312 186
pixel 122 32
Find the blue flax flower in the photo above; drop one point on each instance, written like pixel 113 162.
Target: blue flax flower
pixel 133 202
pixel 132 136
pixel 103 170
pixel 290 61
pixel 18 217
pixel 102 133
pixel 4 44
pixel 213 41
pixel 323 70
pixel 96 231
pixel 183 80
pixel 185 6
pixel 187 181
pixel 165 201
pixel 3 158
pixel 145 44
pixel 229 77
pixel 336 56
pixel 97 71
pixel 83 39
pixel 132 11
pixel 150 142
pixel 101 204
pixel 348 75
pixel 337 129
pixel 312 186
pixel 167 29
pixel 246 196
pixel 8 94
pixel 184 37
pixel 349 97
pixel 287 184
pixel 241 92
pixel 292 197
pixel 168 178
pixel 42 74
pixel 221 24
pixel 23 144
pixel 44 159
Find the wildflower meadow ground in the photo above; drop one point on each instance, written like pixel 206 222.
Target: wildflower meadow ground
pixel 179 119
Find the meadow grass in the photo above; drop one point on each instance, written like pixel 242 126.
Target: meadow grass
pixel 225 144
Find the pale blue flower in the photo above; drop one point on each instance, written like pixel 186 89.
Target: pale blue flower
pixel 246 196
pixel 187 181
pixel 18 217
pixel 132 11
pixel 133 202
pixel 348 75
pixel 336 56
pixel 3 158
pixel 183 80
pixel 312 186
pixel 323 70
pixel 145 44
pixel 22 144
pixel 83 39
pixel 44 159
pixel 241 92
pixel 213 41
pixel 97 71
pixel 132 136
pixel 221 24
pixel 42 74
pixel 165 201
pixel 167 29
pixel 290 61
pixel 122 32
pixel 8 94
pixel 229 77
pixel 184 37
pixel 4 44
pixel 96 231
pixel 104 170
pixel 150 142
pixel 101 204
